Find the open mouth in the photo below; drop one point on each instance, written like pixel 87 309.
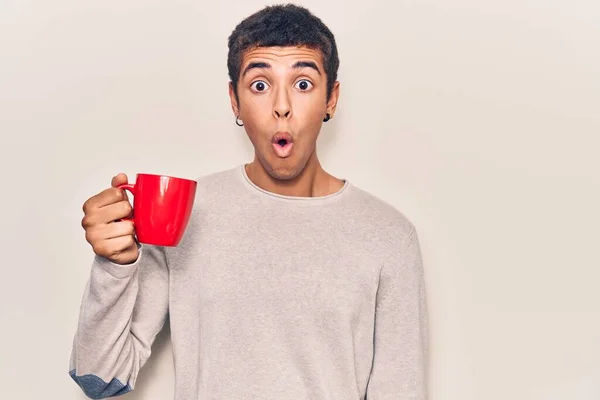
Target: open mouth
pixel 282 138
pixel 283 143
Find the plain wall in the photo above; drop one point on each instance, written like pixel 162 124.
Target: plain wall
pixel 479 120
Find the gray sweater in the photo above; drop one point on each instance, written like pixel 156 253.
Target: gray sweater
pixel 269 297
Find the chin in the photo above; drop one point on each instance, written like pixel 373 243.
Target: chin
pixel 283 169
pixel 282 173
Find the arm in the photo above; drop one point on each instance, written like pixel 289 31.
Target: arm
pixel 401 328
pixel 123 309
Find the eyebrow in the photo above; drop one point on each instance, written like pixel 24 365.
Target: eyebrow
pixel 297 65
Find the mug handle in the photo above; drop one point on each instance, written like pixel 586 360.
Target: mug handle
pixel 131 188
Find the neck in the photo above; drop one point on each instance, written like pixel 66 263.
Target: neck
pixel 312 181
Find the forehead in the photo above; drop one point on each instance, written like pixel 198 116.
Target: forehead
pixel 281 55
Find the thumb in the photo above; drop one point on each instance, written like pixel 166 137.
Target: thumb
pixel 119 179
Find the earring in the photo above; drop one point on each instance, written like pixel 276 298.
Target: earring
pixel 327 117
pixel 238 121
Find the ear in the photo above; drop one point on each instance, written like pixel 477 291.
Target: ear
pixel 234 103
pixel 333 99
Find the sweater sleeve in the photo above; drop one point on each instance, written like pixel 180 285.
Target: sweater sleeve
pixel 401 328
pixel 123 309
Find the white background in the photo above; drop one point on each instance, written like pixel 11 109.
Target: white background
pixel 479 120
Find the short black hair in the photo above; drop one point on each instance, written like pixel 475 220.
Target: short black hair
pixel 282 25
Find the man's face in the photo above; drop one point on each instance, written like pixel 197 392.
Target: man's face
pixel 282 102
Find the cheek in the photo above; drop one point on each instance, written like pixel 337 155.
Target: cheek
pixel 256 124
pixel 310 107
pixel 255 109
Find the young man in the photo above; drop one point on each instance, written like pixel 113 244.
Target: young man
pixel 289 283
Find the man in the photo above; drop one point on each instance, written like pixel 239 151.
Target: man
pixel 289 283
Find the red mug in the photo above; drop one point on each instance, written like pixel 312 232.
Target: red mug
pixel 162 206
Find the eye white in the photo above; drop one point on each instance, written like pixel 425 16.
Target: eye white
pixel 304 85
pixel 259 86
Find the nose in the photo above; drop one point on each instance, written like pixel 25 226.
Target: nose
pixel 282 106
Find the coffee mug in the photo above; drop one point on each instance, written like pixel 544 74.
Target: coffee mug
pixel 162 206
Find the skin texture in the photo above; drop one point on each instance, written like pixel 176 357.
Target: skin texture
pixel 285 98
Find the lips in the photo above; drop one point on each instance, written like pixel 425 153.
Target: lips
pixel 282 143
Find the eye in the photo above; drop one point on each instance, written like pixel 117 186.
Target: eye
pixel 304 85
pixel 259 86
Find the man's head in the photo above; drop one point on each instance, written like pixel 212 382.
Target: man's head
pixel 283 66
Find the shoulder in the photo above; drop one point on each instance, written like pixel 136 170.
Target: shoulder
pixel 397 237
pixel 217 186
pixel 215 179
pixel 380 214
pixel 386 228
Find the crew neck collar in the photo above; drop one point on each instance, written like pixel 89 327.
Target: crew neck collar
pixel 298 199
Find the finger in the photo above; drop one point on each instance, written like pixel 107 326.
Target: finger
pixel 119 179
pixel 114 246
pixel 99 233
pixel 120 243
pixel 106 197
pixel 115 211
pixel 108 214
pixel 118 229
